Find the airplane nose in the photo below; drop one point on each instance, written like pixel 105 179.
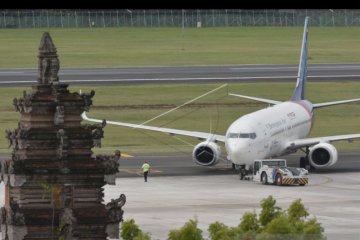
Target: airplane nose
pixel 237 151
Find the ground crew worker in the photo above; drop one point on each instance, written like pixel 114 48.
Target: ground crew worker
pixel 146 169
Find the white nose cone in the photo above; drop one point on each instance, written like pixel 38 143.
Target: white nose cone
pixel 238 151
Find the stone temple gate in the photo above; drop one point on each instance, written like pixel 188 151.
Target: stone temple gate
pixel 53 184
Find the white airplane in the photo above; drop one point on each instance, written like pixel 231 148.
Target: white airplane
pixel 271 132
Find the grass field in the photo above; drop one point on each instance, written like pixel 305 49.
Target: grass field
pixel 120 47
pixel 137 104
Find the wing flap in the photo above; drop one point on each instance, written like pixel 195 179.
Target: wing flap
pixel 200 135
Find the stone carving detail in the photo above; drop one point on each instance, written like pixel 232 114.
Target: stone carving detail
pixel 87 99
pixel 23 132
pixel 48 61
pixel 97 134
pixel 2 216
pixel 59 115
pixel 23 104
pixel 68 223
pixel 14 215
pixel 61 152
pixel 11 137
pixel 109 162
pixel 114 209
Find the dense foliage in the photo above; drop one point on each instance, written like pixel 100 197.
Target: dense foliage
pixel 271 224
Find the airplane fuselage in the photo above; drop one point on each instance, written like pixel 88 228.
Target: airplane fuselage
pixel 264 133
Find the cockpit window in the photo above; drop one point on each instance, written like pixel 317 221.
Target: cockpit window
pixel 242 135
pixel 233 135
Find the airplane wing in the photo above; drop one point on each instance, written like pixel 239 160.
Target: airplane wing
pixel 306 142
pixel 318 105
pixel 257 99
pixel 200 135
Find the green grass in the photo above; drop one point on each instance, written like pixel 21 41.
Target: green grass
pixel 137 104
pixel 120 47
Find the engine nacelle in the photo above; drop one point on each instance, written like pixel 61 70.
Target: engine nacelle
pixel 323 155
pixel 206 153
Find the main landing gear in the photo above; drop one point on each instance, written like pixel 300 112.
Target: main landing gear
pixel 304 161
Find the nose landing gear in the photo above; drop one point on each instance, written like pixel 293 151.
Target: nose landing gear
pixel 243 171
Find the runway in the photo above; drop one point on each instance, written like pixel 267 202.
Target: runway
pixel 185 74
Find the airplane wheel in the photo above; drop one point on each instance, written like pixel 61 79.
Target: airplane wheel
pixel 264 178
pixel 242 174
pixel 303 162
pixel 278 179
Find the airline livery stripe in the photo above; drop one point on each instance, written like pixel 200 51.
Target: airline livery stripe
pixel 304 107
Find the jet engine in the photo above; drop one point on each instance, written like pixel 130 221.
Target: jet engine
pixel 323 155
pixel 206 153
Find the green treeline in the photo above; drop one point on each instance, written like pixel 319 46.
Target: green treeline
pixel 272 223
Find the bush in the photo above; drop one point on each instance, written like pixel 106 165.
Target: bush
pixel 271 224
pixel 188 231
pixel 219 231
pixel 131 231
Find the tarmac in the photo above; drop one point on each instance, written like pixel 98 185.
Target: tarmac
pixel 166 203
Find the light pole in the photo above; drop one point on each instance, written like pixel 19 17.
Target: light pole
pixel 131 20
pixel 333 19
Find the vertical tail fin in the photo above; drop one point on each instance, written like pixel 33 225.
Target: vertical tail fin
pixel 299 92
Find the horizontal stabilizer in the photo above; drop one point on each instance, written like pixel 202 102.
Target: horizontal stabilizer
pixel 257 99
pixel 326 104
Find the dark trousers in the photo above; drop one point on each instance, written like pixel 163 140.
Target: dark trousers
pixel 145 176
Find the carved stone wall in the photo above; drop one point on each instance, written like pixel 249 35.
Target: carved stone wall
pixel 53 184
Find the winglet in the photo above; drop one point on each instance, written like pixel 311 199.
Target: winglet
pixel 299 92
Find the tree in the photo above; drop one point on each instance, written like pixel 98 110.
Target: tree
pixel 249 223
pixel 186 232
pixel 219 231
pixel 271 224
pixel 278 229
pixel 297 211
pixel 292 225
pixel 269 210
pixel 131 231
pixel 313 230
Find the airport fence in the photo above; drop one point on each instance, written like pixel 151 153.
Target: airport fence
pixel 58 18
